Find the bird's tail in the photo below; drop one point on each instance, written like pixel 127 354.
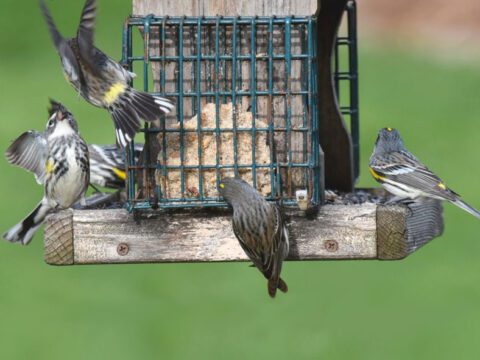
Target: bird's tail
pixel 23 232
pixel 463 205
pixel 274 284
pixel 133 105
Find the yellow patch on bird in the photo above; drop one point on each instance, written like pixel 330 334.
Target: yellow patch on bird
pixel 112 94
pixel 49 167
pixel 441 185
pixel 375 175
pixel 389 129
pixel 120 173
pixel 222 186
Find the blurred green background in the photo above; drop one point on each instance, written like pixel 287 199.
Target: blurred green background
pixel 426 306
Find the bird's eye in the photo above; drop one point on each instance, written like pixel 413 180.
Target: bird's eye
pixel 50 123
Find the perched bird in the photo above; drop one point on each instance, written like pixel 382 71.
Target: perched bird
pixel 403 175
pixel 259 227
pixel 65 174
pixel 102 81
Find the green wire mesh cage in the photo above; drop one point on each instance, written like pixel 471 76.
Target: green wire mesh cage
pixel 246 105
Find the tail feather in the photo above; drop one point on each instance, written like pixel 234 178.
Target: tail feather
pixel 282 285
pixel 463 205
pixel 154 106
pixel 151 107
pixel 273 285
pixel 132 106
pixel 126 124
pixel 23 232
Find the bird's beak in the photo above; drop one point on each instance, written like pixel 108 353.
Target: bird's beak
pixel 60 116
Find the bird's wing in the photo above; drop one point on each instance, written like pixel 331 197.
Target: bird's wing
pixel 85 37
pixel 106 154
pixel 279 249
pixel 404 168
pixel 108 165
pixel 244 238
pixel 29 151
pixel 69 61
pixel 117 155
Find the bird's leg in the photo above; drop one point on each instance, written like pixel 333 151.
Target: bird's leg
pixel 95 188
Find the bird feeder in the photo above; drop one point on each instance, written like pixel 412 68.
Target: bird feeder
pixel 263 90
pixel 247 91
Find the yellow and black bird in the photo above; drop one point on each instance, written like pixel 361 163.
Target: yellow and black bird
pixel 107 162
pixel 102 81
pixel 403 175
pixel 60 161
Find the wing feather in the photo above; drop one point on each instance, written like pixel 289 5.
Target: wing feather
pixel 29 151
pixel 68 58
pixel 403 168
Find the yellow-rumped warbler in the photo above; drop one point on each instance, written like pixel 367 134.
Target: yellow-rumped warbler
pixel 65 174
pixel 107 162
pixel 260 229
pixel 107 165
pixel 102 81
pixel 403 175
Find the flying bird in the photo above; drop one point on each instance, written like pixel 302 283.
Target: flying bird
pixel 102 81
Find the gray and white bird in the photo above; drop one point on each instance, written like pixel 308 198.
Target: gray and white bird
pixel 107 162
pixel 260 229
pixel 403 175
pixel 102 81
pixel 65 173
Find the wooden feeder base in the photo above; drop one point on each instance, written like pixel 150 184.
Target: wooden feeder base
pixel 365 231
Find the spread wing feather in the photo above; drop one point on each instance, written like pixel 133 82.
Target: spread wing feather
pixel 29 151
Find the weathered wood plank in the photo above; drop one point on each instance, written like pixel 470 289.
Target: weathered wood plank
pixel 59 242
pixel 365 231
pixel 401 230
pixel 338 232
pixel 101 236
pixel 224 7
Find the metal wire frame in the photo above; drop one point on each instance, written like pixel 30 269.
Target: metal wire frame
pixel 348 78
pixel 308 92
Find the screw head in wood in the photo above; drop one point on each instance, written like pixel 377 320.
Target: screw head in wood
pixel 331 245
pixel 122 249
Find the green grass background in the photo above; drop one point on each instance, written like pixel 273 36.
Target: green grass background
pixel 426 306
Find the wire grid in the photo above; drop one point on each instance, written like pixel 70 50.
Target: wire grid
pixel 346 78
pixel 220 49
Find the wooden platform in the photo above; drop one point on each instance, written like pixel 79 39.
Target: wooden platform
pixel 366 231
